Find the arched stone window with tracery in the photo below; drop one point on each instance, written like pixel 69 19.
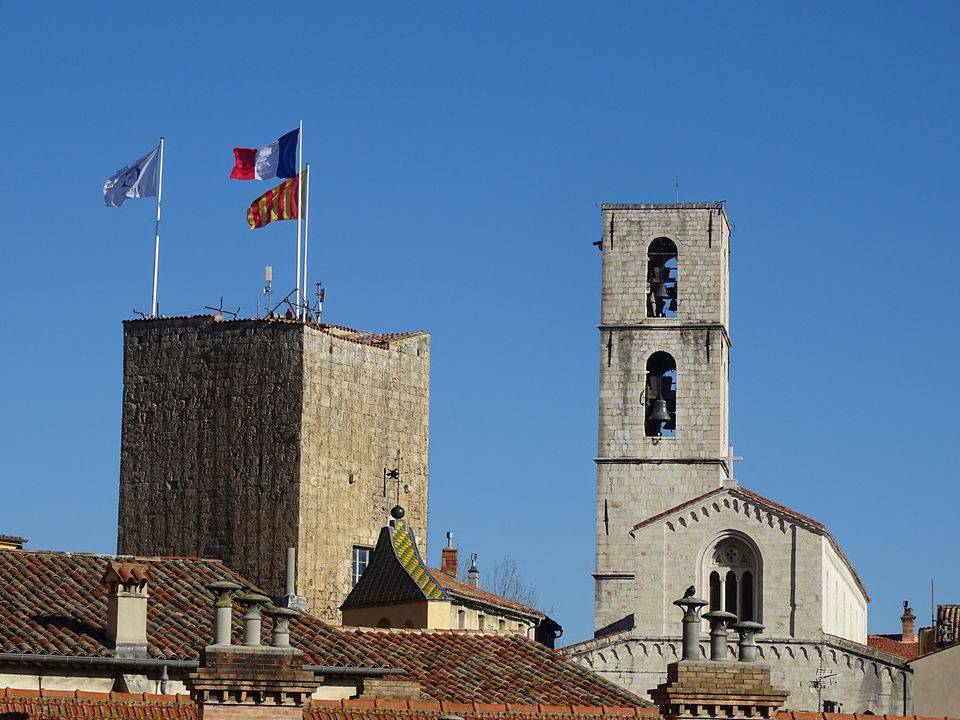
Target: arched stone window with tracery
pixel 732 574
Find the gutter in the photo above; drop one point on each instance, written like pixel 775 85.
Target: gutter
pixel 157 663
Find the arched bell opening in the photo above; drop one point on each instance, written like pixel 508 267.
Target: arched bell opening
pixel 661 396
pixel 662 280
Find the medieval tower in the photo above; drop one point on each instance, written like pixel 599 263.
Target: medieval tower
pixel 664 360
pixel 242 438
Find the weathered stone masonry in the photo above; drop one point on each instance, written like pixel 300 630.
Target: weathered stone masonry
pixel 242 438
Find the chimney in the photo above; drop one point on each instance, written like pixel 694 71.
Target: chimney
pixel 291 599
pixel 473 575
pixel 126 584
pixel 908 621
pixel 448 558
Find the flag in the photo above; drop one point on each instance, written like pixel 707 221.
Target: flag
pixel 278 159
pixel 281 203
pixel 136 180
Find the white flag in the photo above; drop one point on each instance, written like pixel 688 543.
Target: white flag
pixel 136 180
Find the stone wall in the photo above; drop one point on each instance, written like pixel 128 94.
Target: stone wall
pixel 859 677
pixel 210 442
pixel 243 438
pixel 361 404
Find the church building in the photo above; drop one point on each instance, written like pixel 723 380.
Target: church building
pixel 670 513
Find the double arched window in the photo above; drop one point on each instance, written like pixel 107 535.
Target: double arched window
pixel 732 570
pixel 662 278
pixel 660 396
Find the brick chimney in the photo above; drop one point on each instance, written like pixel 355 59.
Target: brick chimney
pixel 126 584
pixel 448 558
pixel 719 687
pixel 473 574
pixel 908 621
pixel 253 681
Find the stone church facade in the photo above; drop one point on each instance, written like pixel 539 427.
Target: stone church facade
pixel 670 513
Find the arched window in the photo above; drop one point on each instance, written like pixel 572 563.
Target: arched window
pixel 661 396
pixel 732 570
pixel 714 590
pixel 384 623
pixel 662 278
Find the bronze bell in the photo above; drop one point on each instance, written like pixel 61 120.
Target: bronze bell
pixel 658 411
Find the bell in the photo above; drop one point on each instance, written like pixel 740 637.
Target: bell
pixel 658 411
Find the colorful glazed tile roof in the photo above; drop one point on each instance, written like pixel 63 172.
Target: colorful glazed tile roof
pixel 53 603
pixel 396 574
pixel 405 548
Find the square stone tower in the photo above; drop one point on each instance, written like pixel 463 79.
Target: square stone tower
pixel 242 438
pixel 664 362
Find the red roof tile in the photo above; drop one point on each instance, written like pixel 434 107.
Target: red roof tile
pixel 894 645
pixel 54 604
pixel 467 592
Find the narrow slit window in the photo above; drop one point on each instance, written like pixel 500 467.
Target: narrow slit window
pixel 714 590
pixel 662 278
pixel 730 601
pixel 661 396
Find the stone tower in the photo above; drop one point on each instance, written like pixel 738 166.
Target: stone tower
pixel 242 438
pixel 664 359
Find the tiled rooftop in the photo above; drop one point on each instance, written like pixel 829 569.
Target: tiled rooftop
pixel 121 706
pixel 53 603
pixel 894 645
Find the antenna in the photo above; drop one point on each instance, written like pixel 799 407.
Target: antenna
pixel 221 311
pixel 268 286
pixel 678 189
pixel 321 294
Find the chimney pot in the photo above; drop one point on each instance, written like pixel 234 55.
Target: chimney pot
pixel 691 607
pixel 473 574
pixel 224 590
pixel 719 621
pixel 280 637
pixel 746 643
pixel 252 619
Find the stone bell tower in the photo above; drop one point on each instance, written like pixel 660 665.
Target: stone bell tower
pixel 664 362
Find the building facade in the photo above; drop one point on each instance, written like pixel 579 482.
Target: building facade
pixel 670 513
pixel 243 438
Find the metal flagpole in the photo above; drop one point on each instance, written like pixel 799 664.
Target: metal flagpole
pixel 306 240
pixel 156 238
pixel 299 212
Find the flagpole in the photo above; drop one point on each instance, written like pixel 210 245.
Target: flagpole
pixel 306 240
pixel 156 237
pixel 299 212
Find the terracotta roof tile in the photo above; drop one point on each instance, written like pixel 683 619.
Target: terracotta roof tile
pixel 467 592
pixel 53 603
pixel 894 645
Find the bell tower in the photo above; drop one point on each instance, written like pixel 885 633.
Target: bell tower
pixel 664 363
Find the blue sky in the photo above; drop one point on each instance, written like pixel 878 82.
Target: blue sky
pixel 460 154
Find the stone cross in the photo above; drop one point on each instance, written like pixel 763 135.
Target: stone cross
pixel 730 460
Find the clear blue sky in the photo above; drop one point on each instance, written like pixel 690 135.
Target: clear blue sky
pixel 460 153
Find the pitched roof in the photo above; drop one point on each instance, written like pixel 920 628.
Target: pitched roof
pixel 894 645
pixel 469 593
pixel 750 496
pixel 396 573
pixel 53 603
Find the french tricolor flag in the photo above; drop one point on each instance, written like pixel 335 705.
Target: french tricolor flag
pixel 278 159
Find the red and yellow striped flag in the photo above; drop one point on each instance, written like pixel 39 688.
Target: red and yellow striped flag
pixel 281 203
